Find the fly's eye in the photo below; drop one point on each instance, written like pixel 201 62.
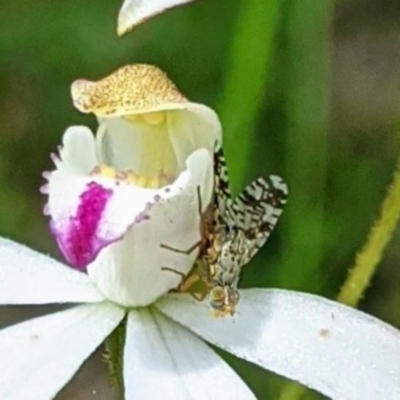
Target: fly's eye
pixel 217 298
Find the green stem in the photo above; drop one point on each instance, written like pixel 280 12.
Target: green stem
pixel 292 391
pixel 246 81
pixel 368 258
pixel 113 357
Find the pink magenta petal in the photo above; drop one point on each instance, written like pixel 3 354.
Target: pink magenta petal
pixel 79 242
pixel 89 213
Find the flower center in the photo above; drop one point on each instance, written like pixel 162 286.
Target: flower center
pixel 152 118
pixel 138 148
pixel 131 177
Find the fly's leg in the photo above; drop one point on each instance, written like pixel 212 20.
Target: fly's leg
pixel 199 296
pixel 187 282
pixel 188 251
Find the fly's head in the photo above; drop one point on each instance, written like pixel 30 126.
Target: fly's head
pixel 223 300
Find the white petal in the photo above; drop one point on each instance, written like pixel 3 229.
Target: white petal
pixel 164 361
pixel 40 356
pixel 129 272
pixel 339 351
pixel 78 152
pixel 28 277
pixel 134 12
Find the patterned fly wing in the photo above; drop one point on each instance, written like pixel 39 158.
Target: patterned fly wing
pixel 257 210
pixel 251 216
pixel 222 194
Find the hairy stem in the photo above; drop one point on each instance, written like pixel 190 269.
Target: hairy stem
pixel 368 258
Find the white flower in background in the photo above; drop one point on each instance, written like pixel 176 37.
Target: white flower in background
pixel 135 12
pixel 113 200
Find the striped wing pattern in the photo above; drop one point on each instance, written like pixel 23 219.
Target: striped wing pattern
pixel 257 209
pixel 255 212
pixel 222 194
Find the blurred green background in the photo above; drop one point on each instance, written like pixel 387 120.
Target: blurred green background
pixel 306 89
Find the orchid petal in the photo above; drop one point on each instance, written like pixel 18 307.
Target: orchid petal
pixel 28 277
pixel 89 213
pixel 134 12
pixel 130 272
pixel 79 203
pixel 337 350
pixel 40 356
pixel 78 152
pixel 164 361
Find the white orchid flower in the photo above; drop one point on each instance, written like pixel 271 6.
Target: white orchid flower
pixel 137 181
pixel 339 351
pixel 135 12
pixel 111 205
